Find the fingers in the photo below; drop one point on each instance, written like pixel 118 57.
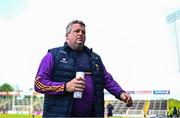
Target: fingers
pixel 127 99
pixel 80 81
pixel 123 97
pixel 129 103
pixel 79 87
pixel 76 84
pixel 80 84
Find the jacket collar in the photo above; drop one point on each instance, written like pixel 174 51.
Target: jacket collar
pixel 85 48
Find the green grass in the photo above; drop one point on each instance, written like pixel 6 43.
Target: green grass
pixel 18 116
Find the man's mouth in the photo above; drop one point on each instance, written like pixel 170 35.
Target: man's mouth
pixel 80 41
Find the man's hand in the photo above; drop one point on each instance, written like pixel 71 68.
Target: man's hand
pixel 127 99
pixel 76 84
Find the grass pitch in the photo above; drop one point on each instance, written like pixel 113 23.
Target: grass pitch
pixel 19 116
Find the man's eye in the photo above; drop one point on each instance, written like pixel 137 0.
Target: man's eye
pixel 83 32
pixel 77 31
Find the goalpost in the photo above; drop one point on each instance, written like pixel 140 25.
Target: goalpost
pixel 22 103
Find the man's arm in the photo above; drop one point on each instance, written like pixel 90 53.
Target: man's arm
pixel 43 83
pixel 114 88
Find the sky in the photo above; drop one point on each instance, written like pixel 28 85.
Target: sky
pixel 133 38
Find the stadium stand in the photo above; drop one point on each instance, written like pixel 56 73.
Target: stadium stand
pixel 5 103
pixel 140 108
pixel 33 104
pixel 158 107
pixel 21 104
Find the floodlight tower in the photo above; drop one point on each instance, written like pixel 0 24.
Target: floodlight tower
pixel 172 19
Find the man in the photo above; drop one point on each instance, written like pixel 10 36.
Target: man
pixel 56 78
pixel 110 109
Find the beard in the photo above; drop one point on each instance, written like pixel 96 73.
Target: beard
pixel 79 46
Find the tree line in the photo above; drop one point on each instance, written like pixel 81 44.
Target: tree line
pixel 6 88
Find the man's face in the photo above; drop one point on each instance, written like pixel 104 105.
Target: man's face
pixel 76 38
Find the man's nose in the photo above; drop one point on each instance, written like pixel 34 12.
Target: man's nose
pixel 80 32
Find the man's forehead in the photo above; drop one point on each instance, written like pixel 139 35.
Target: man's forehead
pixel 77 26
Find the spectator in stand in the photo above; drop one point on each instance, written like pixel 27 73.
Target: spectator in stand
pixel 110 109
pixel 175 112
